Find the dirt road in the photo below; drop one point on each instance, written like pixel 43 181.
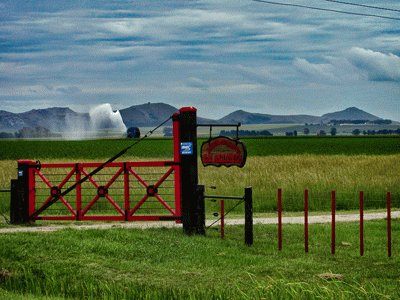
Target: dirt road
pixel 145 225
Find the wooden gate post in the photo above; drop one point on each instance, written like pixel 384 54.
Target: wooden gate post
pixel 19 206
pixel 192 206
pixel 248 217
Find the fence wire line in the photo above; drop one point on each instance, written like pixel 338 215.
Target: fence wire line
pixel 5 219
pixel 209 226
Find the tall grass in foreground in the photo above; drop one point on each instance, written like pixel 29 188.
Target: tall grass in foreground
pixel 274 289
pixel 165 264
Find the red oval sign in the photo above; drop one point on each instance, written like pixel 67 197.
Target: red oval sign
pixel 223 151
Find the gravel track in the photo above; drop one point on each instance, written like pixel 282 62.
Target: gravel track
pixel 145 225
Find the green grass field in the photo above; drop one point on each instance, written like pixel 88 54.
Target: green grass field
pixel 164 264
pixel 317 164
pixel 320 174
pixel 162 148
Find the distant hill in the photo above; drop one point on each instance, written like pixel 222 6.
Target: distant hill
pixel 351 113
pixel 54 118
pixel 152 114
pixel 149 114
pixel 257 118
pixel 10 121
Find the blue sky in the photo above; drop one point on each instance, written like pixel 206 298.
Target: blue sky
pixel 218 56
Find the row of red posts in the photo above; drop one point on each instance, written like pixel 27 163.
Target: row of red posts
pixel 333 222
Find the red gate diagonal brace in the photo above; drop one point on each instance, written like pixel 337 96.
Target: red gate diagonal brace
pixel 60 186
pixel 140 179
pixel 162 179
pixel 109 183
pixel 146 185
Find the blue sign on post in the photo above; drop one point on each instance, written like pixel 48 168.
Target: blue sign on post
pixel 187 148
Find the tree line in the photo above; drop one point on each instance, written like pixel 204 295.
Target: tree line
pixel 374 122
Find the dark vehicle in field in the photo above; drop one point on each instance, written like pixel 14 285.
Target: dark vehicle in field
pixel 133 133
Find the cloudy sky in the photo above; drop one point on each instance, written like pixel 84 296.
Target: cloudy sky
pixel 217 55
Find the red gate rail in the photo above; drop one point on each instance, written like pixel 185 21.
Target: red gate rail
pixel 122 191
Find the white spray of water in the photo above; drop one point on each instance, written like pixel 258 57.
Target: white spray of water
pixel 102 122
pixel 76 128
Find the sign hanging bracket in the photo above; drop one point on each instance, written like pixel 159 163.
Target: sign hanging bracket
pixel 237 125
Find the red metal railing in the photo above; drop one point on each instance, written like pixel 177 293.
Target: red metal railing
pixel 121 191
pixel 113 191
pixel 333 221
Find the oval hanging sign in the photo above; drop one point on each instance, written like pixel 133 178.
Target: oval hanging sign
pixel 223 151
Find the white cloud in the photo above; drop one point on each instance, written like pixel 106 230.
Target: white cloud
pixel 197 83
pixel 377 66
pixel 316 71
pixel 240 53
pixel 334 70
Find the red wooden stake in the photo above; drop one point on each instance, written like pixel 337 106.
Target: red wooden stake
pixel 389 225
pixel 279 219
pixel 306 221
pixel 126 192
pixel 362 223
pixel 333 244
pixel 222 213
pixel 78 193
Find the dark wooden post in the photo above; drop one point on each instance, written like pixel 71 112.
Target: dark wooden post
pixel 248 218
pixel 192 203
pixel 19 206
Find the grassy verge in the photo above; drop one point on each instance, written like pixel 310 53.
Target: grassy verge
pixel 163 263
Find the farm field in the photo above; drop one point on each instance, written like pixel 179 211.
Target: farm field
pixel 165 264
pixel 320 174
pixel 162 148
pixel 371 165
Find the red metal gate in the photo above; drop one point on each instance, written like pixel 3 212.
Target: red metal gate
pixel 112 191
pixel 125 191
pixel 120 191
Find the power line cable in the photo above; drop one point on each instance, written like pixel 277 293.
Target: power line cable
pixel 327 9
pixel 363 5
